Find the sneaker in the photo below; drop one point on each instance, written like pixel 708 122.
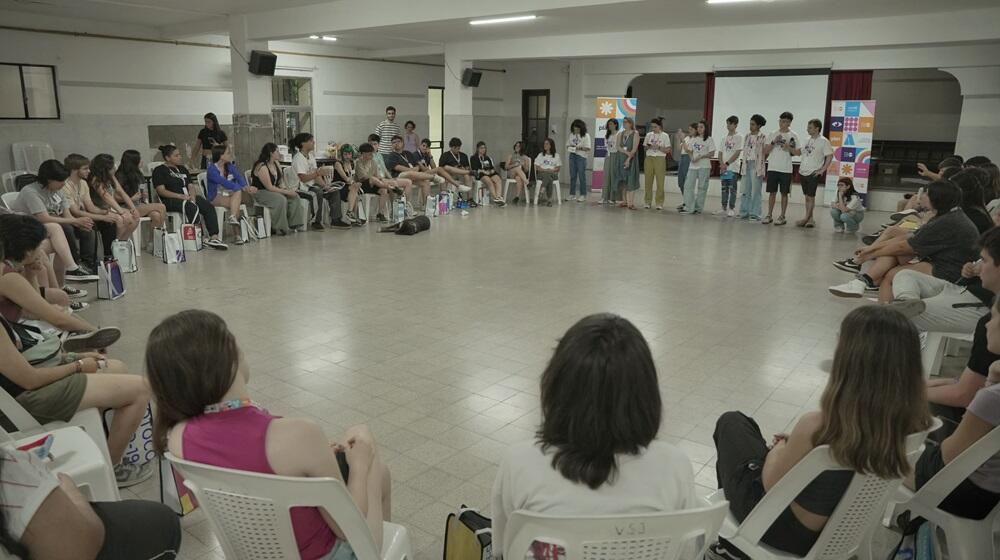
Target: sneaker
pixel 847 265
pixel 780 221
pixel 438 179
pixel 684 211
pixel 696 212
pixel 548 203
pixel 581 198
pixel 216 244
pixel 646 207
pixel 801 223
pixel 681 207
pixel 340 224
pixel 74 293
pixel 516 200
pixel 718 551
pixel 731 213
pixel 380 218
pixel 659 208
pixel 838 229
pixel 869 239
pixel 854 289
pixel 316 226
pixel 810 224
pixel 754 218
pixel 719 213
pixel 131 474
pixel 900 215
pixel 93 340
pixel 909 307
pixel 766 220
pixel 79 275
pixel 78 305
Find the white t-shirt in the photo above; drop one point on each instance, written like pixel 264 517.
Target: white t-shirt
pixel 611 142
pixel 303 164
pixel 703 149
pixel 780 158
pixel 985 405
pixel 661 139
pixel 24 485
pixel 547 162
pixel 576 141
pixel 814 154
pixel 658 480
pixel 731 143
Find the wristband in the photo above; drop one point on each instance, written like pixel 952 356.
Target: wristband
pixel 79 366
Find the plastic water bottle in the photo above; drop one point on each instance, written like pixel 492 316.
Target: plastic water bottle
pixel 401 208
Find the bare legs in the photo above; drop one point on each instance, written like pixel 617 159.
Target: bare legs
pixel 127 394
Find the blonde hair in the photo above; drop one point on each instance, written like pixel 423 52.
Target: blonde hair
pixel 876 395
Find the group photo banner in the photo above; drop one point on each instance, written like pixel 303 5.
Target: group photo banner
pixel 608 108
pixel 852 125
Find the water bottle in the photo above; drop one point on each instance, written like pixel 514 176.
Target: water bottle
pixel 401 208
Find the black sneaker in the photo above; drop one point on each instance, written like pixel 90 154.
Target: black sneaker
pixel 340 224
pixel 847 265
pixel 93 340
pixel 316 226
pixel 380 218
pixel 78 305
pixel 869 239
pixel 88 269
pixel 79 275
pixel 719 551
pixel 74 293
pixel 216 244
pixel 516 200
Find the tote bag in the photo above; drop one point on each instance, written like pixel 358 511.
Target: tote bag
pixel 110 281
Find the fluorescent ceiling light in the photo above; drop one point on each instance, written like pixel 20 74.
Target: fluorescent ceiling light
pixel 314 36
pixel 328 38
pixel 501 20
pixel 733 1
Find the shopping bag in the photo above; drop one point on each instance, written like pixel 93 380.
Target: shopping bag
pixel 430 208
pixel 125 253
pixel 110 283
pixel 191 231
pixel 244 231
pixel 467 536
pixel 173 249
pixel 140 447
pixel 262 229
pixel 158 234
pixel 173 493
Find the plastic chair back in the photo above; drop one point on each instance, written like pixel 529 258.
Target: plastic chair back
pixel 8 199
pixel 30 155
pixel 954 473
pixel 249 512
pixel 9 180
pixel 652 536
pixel 291 178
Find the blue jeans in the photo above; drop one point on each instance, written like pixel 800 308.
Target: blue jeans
pixel 851 221
pixel 750 197
pixel 696 189
pixel 577 175
pixel 729 188
pixel 682 171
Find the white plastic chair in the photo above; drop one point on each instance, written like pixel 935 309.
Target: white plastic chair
pixel 74 453
pixel 651 536
pixel 556 191
pixel 249 512
pixel 8 199
pixel 102 483
pixel 31 154
pixel 849 529
pixel 933 349
pixel 9 180
pixel 968 539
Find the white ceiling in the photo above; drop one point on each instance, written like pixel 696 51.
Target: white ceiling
pixel 152 13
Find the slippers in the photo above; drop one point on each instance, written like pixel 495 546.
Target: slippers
pixel 94 340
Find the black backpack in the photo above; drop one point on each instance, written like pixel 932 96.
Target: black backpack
pixel 409 226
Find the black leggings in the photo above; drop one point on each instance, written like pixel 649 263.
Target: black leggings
pixel 966 500
pixel 138 530
pixel 201 206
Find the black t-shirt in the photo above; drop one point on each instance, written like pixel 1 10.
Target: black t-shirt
pixel 427 159
pixel 947 242
pixel 130 183
pixel 392 159
pixel 209 138
pixel 482 164
pixel 980 218
pixel 174 179
pixel 448 158
pixel 981 358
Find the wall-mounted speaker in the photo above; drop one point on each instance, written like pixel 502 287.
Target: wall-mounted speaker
pixel 471 78
pixel 262 63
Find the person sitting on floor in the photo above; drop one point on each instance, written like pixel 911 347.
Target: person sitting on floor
pixel 131 179
pixel 848 211
pixel 205 413
pixel 287 213
pixel 877 370
pixel 175 188
pixel 596 452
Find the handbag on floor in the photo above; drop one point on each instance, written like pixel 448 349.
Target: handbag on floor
pixel 173 493
pixel 191 232
pixel 173 248
pixel 158 242
pixel 126 254
pixel 468 536
pixel 110 281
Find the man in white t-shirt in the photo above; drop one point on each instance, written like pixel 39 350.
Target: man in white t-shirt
pixel 816 156
pixel 729 166
pixel 781 146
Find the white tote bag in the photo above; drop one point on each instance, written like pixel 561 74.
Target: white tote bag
pixel 158 234
pixel 173 248
pixel 110 280
pixel 191 232
pixel 125 253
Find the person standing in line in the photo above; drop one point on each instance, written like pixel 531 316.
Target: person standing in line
pixel 578 147
pixel 684 142
pixel 816 157
pixel 657 145
pixel 779 149
pixel 696 187
pixel 752 170
pixel 628 174
pixel 729 166
pixel 386 130
pixel 612 162
pixel 411 140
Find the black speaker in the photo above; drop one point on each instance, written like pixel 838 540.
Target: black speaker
pixel 262 63
pixel 471 78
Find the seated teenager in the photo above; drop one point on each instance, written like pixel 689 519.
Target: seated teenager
pixel 103 187
pixel 42 200
pixel 205 413
pixel 518 168
pixel 910 202
pixel 877 370
pixel 315 182
pixel 282 202
pixel 428 165
pixel 973 182
pixel 405 165
pixel 848 211
pixel 596 452
pixel 978 494
pixel 487 173
pixel 130 179
pixel 83 242
pixel 939 248
pixel 175 188
pixel 343 171
pixel 456 164
pixel 372 176
pixel 547 164
pixel 46 517
pixel 226 185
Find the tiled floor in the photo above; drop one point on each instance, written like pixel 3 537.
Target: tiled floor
pixel 437 341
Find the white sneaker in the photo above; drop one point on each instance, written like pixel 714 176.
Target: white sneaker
pixel 853 289
pixel 719 213
pixel 731 213
pixel 582 198
pixel 838 229
pixel 438 179
pixel 659 208
pixel 646 207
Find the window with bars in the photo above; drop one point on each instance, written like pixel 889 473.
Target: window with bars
pixel 28 92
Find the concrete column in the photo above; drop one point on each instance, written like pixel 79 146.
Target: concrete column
pixel 457 101
pixel 252 123
pixel 979 125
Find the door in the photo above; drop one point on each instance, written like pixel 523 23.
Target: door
pixel 435 119
pixel 534 119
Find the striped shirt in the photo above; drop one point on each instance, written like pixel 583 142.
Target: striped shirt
pixel 386 130
pixel 25 482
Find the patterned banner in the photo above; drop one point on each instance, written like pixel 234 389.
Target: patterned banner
pixel 608 108
pixel 852 124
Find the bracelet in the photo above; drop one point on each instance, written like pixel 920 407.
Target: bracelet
pixel 79 366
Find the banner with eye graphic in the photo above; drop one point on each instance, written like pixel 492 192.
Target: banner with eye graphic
pixel 606 108
pixel 852 124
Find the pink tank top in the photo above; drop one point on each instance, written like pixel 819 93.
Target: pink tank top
pixel 235 439
pixel 8 309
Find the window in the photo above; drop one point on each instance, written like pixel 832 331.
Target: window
pixel 291 107
pixel 28 92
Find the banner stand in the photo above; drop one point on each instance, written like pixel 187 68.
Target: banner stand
pixel 852 125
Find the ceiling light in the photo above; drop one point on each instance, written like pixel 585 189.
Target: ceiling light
pixel 328 38
pixel 314 36
pixel 732 1
pixel 501 20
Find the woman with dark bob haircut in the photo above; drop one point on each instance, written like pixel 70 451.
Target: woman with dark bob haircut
pixel 595 452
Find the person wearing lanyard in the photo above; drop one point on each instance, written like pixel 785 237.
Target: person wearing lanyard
pixel 578 148
pixel 171 182
pixel 456 163
pixel 485 171
pixel 816 157
pixel 657 145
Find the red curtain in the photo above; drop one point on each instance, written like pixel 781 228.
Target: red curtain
pixel 709 98
pixel 850 84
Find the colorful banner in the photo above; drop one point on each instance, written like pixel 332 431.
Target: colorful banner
pixel 608 108
pixel 852 124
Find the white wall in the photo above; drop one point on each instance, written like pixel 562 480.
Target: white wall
pixel 922 104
